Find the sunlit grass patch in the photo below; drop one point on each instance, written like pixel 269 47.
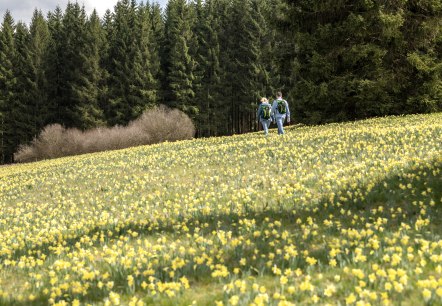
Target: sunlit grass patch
pixel 341 213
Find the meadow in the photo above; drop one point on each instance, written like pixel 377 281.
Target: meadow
pixel 340 214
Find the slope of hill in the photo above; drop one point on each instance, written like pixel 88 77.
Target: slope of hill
pixel 338 214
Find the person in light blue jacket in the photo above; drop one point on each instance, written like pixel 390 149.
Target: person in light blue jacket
pixel 280 111
pixel 264 114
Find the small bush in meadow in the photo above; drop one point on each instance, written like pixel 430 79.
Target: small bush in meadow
pixel 153 126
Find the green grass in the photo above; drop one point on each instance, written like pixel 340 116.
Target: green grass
pixel 328 206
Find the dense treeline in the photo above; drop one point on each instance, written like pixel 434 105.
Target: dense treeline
pixel 213 59
pixel 356 59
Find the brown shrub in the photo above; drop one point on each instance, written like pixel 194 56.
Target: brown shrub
pixel 153 126
pixel 26 154
pixel 51 141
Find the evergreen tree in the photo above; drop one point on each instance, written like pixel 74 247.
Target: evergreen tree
pixel 179 63
pixel 365 59
pixel 144 85
pixel 156 47
pixel 73 35
pixel 53 67
pixel 275 50
pixel 73 67
pixel 245 70
pixel 225 31
pixel 105 63
pixel 208 98
pixel 120 64
pixel 132 86
pixel 38 48
pixel 281 51
pixel 422 36
pixel 86 88
pixel 22 115
pixel 8 83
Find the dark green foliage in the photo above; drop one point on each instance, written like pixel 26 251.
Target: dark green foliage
pixel 179 63
pixel 120 65
pixel 214 59
pixel 53 67
pixel 80 74
pixel 38 48
pixel 423 46
pixel 208 97
pixel 156 48
pixel 22 123
pixel 87 88
pixel 132 87
pixel 73 35
pixel 145 85
pixel 366 59
pixel 245 78
pixel 105 63
pixel 8 83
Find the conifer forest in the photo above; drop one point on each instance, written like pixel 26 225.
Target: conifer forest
pixel 333 60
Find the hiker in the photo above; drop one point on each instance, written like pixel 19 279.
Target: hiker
pixel 265 114
pixel 280 111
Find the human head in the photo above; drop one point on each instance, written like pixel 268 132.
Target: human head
pixel 279 94
pixel 264 99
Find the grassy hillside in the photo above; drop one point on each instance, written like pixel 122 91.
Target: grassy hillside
pixel 339 214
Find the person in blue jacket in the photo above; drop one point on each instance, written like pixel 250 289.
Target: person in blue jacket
pixel 280 111
pixel 264 114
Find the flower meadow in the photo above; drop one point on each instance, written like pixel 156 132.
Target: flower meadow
pixel 340 214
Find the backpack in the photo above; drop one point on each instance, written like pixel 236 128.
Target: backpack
pixel 266 111
pixel 281 107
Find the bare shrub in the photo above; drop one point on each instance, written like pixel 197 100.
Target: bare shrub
pixel 50 141
pixel 26 153
pixel 164 124
pixel 73 142
pixel 153 126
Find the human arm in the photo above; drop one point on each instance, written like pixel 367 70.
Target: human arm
pixel 288 111
pixel 273 112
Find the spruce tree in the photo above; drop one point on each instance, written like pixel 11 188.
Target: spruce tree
pixel 156 49
pixel 73 71
pixel 246 72
pixel 214 59
pixel 73 40
pixel 121 51
pixel 144 91
pixel 282 46
pixel 86 88
pixel 8 83
pixel 225 31
pixel 422 36
pixel 39 43
pixel 22 115
pixel 105 63
pixel 274 49
pixel 133 86
pixel 179 63
pixel 53 67
pixel 367 59
pixel 209 97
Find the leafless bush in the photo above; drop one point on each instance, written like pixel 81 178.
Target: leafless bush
pixel 26 153
pixel 154 126
pixel 151 124
pixel 53 135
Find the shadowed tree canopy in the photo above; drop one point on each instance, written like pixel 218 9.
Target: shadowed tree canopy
pixel 214 59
